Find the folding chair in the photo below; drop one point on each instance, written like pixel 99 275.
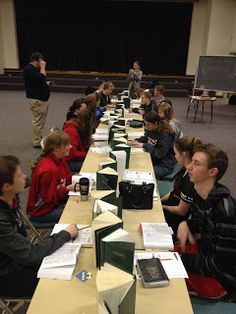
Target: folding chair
pixel 7 304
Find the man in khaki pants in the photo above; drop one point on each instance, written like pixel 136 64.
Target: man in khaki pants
pixel 37 92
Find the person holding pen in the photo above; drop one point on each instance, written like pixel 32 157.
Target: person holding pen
pixel 19 258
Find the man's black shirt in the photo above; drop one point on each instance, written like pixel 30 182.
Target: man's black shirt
pixel 35 83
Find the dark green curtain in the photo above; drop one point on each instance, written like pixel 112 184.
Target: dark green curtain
pixel 105 36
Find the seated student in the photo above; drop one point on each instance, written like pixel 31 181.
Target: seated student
pixel 176 204
pixel 93 103
pixel 210 261
pixel 51 180
pixel 134 77
pixel 138 93
pixel 76 108
pixel 79 131
pixel 158 94
pixel 165 111
pixel 158 140
pixel 146 104
pixel 104 94
pixel 20 259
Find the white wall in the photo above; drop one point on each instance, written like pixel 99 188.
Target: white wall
pixel 8 37
pixel 213 30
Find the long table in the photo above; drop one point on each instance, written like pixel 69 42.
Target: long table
pixel 77 297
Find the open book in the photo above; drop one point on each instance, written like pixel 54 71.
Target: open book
pixel 157 236
pixel 100 207
pixel 107 162
pixel 103 225
pixel 117 249
pixel 61 263
pixel 85 236
pixel 107 179
pixel 116 291
pixel 127 149
pixel 120 157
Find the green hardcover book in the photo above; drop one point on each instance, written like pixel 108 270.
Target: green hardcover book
pixel 117 249
pixel 103 225
pixel 101 206
pixel 116 291
pixel 112 131
pixel 99 235
pixel 127 305
pixel 126 102
pixel 152 272
pixel 119 105
pixel 120 157
pixel 107 162
pixel 100 194
pixel 117 201
pixel 127 149
pixel 116 141
pixel 107 179
pixel 120 121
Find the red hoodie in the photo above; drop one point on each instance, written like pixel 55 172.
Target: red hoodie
pixel 48 186
pixel 78 150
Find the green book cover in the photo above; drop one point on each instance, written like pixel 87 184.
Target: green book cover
pixel 127 305
pixel 99 234
pixel 118 253
pixel 112 131
pixel 108 162
pixel 127 149
pixel 117 141
pixel 117 201
pixel 107 179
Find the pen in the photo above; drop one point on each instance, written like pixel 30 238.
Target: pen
pixel 176 256
pixel 85 227
pixel 166 259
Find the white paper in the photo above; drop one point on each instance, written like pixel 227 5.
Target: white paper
pixel 101 149
pixel 64 256
pixel 134 134
pixel 138 177
pixel 85 237
pixel 171 262
pixel 157 235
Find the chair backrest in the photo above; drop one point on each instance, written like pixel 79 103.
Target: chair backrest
pixel 36 234
pixel 5 304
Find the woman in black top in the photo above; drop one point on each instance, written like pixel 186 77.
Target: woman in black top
pixel 158 140
pixel 177 203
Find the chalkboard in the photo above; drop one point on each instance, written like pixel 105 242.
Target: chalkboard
pixel 216 73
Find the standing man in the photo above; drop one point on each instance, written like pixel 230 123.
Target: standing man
pixel 37 92
pixel 211 260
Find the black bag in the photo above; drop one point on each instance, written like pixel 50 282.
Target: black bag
pixel 136 124
pixel 136 196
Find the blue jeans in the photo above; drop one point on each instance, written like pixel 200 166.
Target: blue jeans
pixel 75 165
pixel 53 216
pixel 161 171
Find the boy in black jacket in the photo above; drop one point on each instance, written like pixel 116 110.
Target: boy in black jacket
pixel 19 259
pixel 211 260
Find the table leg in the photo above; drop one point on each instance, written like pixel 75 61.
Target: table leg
pixel 203 104
pixel 211 110
pixel 189 105
pixel 196 109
